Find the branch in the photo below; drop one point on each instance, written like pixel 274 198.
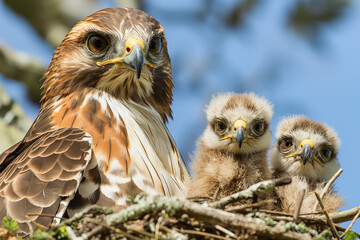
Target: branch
pixel 327 186
pixel 13 122
pixel 329 220
pixel 22 67
pixel 252 191
pixel 351 224
pixel 347 215
pixel 48 18
pixel 298 205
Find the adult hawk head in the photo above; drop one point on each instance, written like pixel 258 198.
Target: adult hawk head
pixel 100 135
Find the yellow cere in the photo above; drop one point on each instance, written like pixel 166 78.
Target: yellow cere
pixel 302 144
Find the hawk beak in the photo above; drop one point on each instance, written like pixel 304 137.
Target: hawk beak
pixel 135 60
pixel 239 135
pixel 305 153
pixel 133 57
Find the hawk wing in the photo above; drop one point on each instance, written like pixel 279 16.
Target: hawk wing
pixel 41 176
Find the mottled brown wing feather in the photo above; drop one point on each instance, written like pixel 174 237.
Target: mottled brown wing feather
pixel 43 177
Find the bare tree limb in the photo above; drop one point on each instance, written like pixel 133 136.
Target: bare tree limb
pixel 47 17
pixel 347 215
pixel 23 67
pixel 13 122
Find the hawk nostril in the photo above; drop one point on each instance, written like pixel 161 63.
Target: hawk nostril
pixel 128 49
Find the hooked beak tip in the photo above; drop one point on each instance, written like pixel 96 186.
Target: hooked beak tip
pixel 239 136
pixel 306 153
pixel 135 60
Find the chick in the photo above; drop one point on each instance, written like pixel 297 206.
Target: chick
pixel 231 153
pixel 306 151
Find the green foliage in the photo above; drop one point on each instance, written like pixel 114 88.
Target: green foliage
pixel 10 224
pixel 350 235
pixel 61 233
pixel 38 234
pixel 324 235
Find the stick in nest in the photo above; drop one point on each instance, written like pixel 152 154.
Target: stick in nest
pixel 327 186
pixel 351 224
pixel 299 202
pixel 330 221
pixel 243 207
pixel 252 191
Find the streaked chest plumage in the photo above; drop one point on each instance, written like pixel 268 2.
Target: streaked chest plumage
pixel 132 149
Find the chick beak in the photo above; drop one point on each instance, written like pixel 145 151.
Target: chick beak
pixel 305 152
pixel 239 136
pixel 135 60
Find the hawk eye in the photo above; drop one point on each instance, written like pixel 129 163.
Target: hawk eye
pixel 155 45
pixel 219 126
pixel 259 127
pixel 326 153
pixel 96 43
pixel 286 144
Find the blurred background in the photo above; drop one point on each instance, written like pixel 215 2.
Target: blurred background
pixel 302 55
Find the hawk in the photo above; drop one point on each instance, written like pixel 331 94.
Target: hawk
pixel 231 153
pixel 306 151
pixel 100 136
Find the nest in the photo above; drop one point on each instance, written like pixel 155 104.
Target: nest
pixel 160 217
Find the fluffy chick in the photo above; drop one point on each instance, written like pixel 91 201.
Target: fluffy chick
pixel 306 151
pixel 231 153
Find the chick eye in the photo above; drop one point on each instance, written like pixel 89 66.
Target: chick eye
pixel 259 127
pixel 219 126
pixel 326 152
pixel 155 46
pixel 286 144
pixel 96 43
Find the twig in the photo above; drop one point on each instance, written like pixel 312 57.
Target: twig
pixel 43 215
pixel 240 208
pixel 173 234
pixel 351 224
pixel 80 215
pixel 250 192
pixel 216 194
pixel 298 205
pixel 210 235
pixel 327 186
pixel 200 198
pixel 330 222
pixel 226 231
pixel 141 232
pixel 347 215
pixel 275 213
pixel 157 228
pixel 114 229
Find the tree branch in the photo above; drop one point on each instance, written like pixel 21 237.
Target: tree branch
pixel 253 190
pixel 23 67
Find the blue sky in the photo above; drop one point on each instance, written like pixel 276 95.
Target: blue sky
pixel 264 56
